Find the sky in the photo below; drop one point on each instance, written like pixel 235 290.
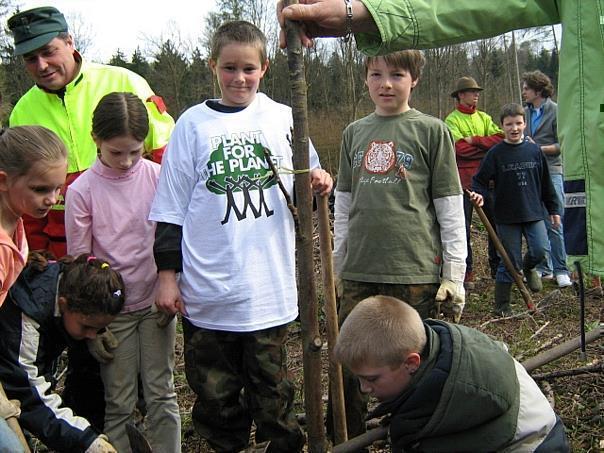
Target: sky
pixel 124 24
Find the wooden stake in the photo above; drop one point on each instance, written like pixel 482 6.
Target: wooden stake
pixel 504 256
pixel 307 297
pixel 336 385
pixel 13 424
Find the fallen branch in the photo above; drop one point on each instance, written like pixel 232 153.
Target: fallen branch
pixel 539 330
pixel 559 351
pixel 595 368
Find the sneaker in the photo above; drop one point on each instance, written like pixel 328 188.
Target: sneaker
pixel 546 275
pixel 533 280
pixel 563 280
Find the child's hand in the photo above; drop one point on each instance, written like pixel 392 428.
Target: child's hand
pixel 168 296
pixel 475 196
pixel 320 181
pixel 555 219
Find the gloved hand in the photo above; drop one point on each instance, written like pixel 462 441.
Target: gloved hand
pixel 101 445
pixel 102 345
pixel 9 408
pixel 452 296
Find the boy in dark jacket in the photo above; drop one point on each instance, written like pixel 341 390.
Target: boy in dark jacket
pixel 522 188
pixel 446 387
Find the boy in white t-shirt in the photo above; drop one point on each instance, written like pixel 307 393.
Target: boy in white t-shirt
pixel 225 226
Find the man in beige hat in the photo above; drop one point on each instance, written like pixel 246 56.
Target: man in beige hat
pixel 474 133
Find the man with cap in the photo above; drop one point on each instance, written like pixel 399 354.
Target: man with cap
pixel 474 133
pixel 67 89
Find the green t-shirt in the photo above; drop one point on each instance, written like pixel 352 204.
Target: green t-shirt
pixel 394 168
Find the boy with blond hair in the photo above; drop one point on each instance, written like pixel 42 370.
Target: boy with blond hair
pixel 225 226
pixel 398 228
pixel 445 386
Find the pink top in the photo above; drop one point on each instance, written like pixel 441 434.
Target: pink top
pixel 106 214
pixel 13 256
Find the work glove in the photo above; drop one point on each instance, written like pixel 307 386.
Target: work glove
pixel 101 445
pixel 452 298
pixel 9 408
pixel 101 347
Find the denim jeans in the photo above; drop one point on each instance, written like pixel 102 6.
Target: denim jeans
pixel 511 234
pixel 556 251
pixel 9 443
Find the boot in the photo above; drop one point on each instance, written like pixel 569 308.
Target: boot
pixel 503 293
pixel 533 278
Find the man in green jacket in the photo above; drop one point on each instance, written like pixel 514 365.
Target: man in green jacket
pixel 383 26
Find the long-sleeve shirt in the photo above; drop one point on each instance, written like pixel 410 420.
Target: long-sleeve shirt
pixel 106 214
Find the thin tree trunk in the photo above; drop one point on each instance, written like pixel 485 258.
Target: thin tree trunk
pixel 307 297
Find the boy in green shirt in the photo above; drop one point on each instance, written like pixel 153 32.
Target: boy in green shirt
pixel 399 226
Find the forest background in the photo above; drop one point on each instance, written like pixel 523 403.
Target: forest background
pixel 176 68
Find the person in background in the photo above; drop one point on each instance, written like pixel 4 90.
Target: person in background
pixel 430 378
pixel 33 165
pixel 51 305
pixel 524 200
pixel 67 89
pixel 542 128
pixel 398 228
pixel 384 26
pixel 474 133
pixel 106 215
pixel 224 225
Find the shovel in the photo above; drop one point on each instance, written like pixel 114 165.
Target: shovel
pixel 138 442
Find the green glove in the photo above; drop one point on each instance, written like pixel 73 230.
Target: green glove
pixel 452 296
pixel 102 345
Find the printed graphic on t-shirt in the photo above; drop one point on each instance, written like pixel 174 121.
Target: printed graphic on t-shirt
pixel 238 164
pixel 384 162
pixel 520 169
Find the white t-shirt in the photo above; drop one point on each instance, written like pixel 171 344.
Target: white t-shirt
pixel 238 242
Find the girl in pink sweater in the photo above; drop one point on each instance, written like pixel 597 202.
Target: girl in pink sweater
pixel 106 214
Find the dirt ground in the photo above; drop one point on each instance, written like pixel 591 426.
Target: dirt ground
pixel 578 398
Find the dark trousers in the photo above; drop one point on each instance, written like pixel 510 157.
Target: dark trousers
pixel 239 377
pixel 84 392
pixel 489 210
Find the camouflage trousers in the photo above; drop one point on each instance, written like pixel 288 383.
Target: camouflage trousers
pixel 240 377
pixel 421 297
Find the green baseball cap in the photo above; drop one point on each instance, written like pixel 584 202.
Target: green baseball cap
pixel 35 28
